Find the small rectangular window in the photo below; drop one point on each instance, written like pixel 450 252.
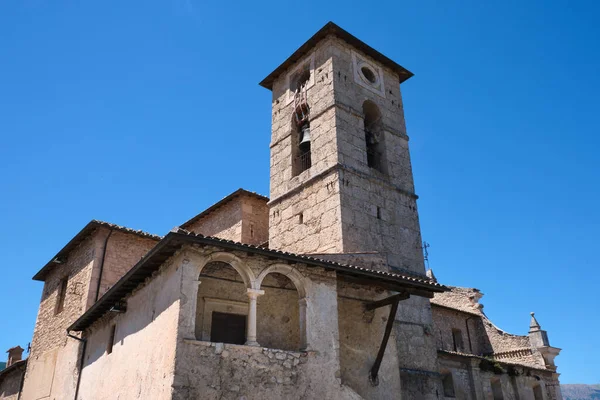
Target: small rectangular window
pixel 300 218
pixel 111 339
pixel 61 295
pixel 448 384
pixel 378 212
pixel 497 389
pixel 228 328
pixel 458 340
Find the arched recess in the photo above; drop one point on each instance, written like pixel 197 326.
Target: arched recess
pixel 222 304
pixel 374 137
pixel 281 312
pixel 235 262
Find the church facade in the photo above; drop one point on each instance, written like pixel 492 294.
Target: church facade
pixel 317 292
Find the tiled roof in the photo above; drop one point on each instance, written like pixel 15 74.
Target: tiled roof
pixel 311 260
pixel 332 29
pixel 221 203
pixel 15 365
pixel 491 356
pixel 178 237
pixel 82 235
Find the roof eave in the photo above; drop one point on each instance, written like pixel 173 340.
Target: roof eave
pixel 332 29
pixel 175 239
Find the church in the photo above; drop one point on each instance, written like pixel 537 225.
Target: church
pixel 318 291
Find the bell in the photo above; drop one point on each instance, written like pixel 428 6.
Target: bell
pixel 305 134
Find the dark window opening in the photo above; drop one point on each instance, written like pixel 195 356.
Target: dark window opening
pixel 228 328
pixel 374 137
pixel 111 340
pixel 369 74
pixel 537 393
pixel 300 79
pixel 301 144
pixel 497 389
pixel 62 294
pixel 448 384
pixel 457 339
pixel 378 213
pixel 300 218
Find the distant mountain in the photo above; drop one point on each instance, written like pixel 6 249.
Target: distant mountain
pixel 580 392
pixel 2 365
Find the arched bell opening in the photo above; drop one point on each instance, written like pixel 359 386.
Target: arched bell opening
pixel 301 138
pixel 222 304
pixel 374 137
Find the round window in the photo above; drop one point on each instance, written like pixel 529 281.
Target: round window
pixel 369 74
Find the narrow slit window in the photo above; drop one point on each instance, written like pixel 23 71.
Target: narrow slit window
pixel 62 294
pixel 111 339
pixel 497 389
pixel 448 384
pixel 300 218
pixel 457 339
pixel 378 212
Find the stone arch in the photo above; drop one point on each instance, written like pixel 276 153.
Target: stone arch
pixel 282 313
pixel 284 269
pixel 236 263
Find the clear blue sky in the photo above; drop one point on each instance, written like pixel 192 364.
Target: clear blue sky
pixel 144 113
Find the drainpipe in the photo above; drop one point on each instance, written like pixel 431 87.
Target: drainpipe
pixel 469 333
pixel 21 384
pixel 102 265
pixel 81 359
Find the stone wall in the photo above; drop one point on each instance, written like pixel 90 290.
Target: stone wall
pixel 470 325
pixel 224 222
pixel 245 218
pixel 141 363
pixel 123 251
pixel 255 220
pixel 472 382
pixel 227 371
pixel 51 369
pixel 318 378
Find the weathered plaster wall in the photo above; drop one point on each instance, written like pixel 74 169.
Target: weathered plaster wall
pixel 123 251
pixel 361 333
pixel 51 370
pixel 141 364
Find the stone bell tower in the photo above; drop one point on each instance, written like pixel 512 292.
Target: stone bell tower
pixel 341 178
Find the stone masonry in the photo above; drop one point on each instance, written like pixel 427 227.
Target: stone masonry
pixel 287 297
